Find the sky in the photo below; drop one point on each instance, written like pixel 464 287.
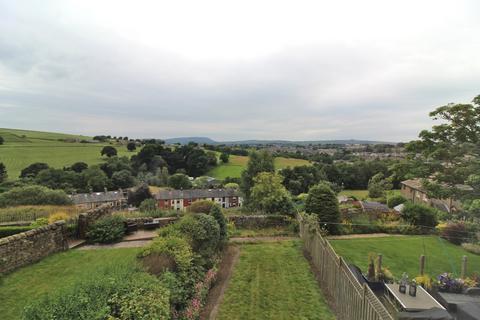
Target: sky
pixel 232 70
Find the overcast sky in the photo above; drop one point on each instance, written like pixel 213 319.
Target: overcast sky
pixel 262 69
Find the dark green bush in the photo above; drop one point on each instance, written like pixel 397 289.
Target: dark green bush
pixel 322 201
pixel 456 233
pixel 395 201
pixel 107 230
pixel 121 293
pixel 11 230
pixel 171 247
pixel 201 206
pixel 420 215
pixel 217 213
pixel 202 233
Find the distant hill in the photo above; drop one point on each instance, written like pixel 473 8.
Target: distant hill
pixel 186 140
pixel 202 140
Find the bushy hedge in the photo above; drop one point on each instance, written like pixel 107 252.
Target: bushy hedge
pixel 11 230
pixel 119 293
pixel 455 232
pixel 420 215
pixel 33 195
pixel 107 230
pixel 394 201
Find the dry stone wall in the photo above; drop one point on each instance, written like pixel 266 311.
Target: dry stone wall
pixel 28 247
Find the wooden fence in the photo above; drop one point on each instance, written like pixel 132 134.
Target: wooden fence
pixel 352 300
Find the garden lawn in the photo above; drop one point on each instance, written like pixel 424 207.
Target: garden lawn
pixel 23 147
pixel 236 164
pixel 401 254
pixel 56 272
pixel 273 281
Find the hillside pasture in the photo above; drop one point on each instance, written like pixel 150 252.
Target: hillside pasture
pixel 402 253
pixel 22 148
pixel 237 164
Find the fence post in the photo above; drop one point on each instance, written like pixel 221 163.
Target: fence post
pixel 379 265
pixel 464 267
pixel 422 265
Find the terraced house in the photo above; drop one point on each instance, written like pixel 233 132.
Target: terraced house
pixel 181 199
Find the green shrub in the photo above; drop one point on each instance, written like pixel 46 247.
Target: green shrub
pixel 202 233
pixel 216 212
pixel 148 205
pixel 201 206
pixel 115 293
pixel 455 232
pixel 40 222
pixel 107 230
pixel 395 201
pixel 11 230
pixel 33 195
pixel 171 246
pixel 420 215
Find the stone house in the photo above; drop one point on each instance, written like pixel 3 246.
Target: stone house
pixel 87 201
pixel 181 199
pixel 414 191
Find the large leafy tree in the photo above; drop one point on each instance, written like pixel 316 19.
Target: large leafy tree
pixel 108 151
pixel 269 195
pixel 258 162
pixel 450 151
pixel 378 185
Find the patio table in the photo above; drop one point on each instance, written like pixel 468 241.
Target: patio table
pixel 422 301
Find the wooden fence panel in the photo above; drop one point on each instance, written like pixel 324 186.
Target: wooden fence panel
pixel 351 300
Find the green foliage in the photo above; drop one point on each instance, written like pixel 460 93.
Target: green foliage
pixel 179 181
pixel 378 185
pixel 456 233
pixel 1 140
pixel 217 213
pixel 94 179
pixel 224 157
pixel 203 234
pixel 394 201
pixel 115 293
pixel 258 162
pixel 32 170
pixel 269 195
pixel 299 179
pixel 33 195
pixel 450 149
pixel 232 185
pixel 11 230
pixel 3 172
pixel 108 151
pixel 123 179
pixel 174 247
pixel 107 230
pixel 420 215
pixel 131 146
pixel 40 222
pixel 148 205
pixel 78 167
pixel 322 201
pixel 201 206
pixel 136 196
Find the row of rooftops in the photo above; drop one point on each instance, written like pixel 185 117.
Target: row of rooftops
pixel 120 195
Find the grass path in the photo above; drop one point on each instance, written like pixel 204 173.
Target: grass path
pixel 55 273
pixel 273 281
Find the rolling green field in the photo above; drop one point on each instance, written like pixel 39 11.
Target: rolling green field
pixel 23 147
pixel 401 254
pixel 56 272
pixel 273 281
pixel 237 164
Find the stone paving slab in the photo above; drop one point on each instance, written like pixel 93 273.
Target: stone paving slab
pixel 123 244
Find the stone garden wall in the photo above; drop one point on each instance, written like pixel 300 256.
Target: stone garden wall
pixel 89 217
pixel 31 246
pixel 259 221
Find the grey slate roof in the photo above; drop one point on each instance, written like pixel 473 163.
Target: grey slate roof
pixel 195 194
pixel 96 197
